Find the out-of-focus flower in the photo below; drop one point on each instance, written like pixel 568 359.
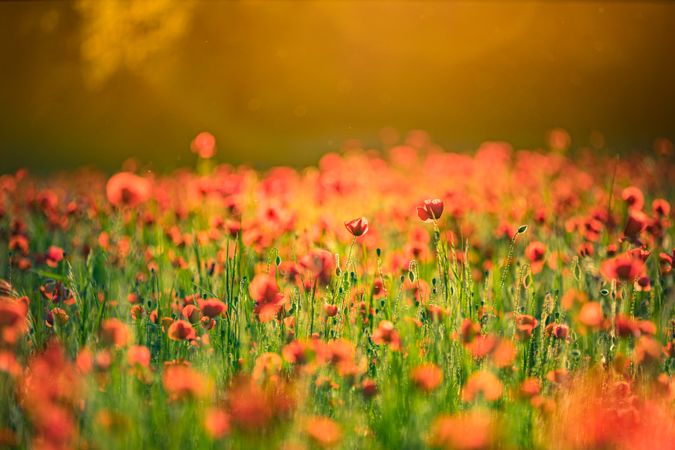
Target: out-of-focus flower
pixel 430 209
pixel 265 293
pixel 183 382
pixel 249 408
pixel 661 207
pixel 114 332
pixel 535 252
pixel 54 256
pixel 192 313
pixel 49 392
pixel 504 354
pixel 324 431
pixel 665 263
pixel 625 267
pixel 647 350
pixel 472 431
pixel 217 423
pixel 204 145
pixel 525 324
pixel 138 355
pixel 385 334
pixel 633 197
pixel 330 310
pixel 591 315
pixel 266 365
pixel 483 383
pixel 125 189
pixel 9 364
pixel 558 331
pixel 635 223
pixel 469 330
pixel 529 387
pixel 13 319
pixel 369 388
pixel 320 264
pixel 559 139
pixel 181 330
pixel 427 377
pixel 213 307
pixel 599 413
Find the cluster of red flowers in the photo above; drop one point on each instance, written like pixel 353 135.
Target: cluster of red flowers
pixel 483 281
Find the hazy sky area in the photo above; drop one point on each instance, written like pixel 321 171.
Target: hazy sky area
pixel 95 82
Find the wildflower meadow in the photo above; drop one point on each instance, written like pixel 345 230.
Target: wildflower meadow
pixel 404 297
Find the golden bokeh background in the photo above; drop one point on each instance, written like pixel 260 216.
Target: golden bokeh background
pixel 95 82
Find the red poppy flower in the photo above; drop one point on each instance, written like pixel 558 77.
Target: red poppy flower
pixel 466 432
pixel 204 145
pixel 181 330
pixel 212 307
pixel 624 267
pixel 591 315
pixel 482 382
pixel 430 209
pixel 385 334
pixel 626 326
pixel 249 407
pixel 635 223
pixel 633 197
pixel 298 352
pixel 54 256
pixel 217 423
pixel 525 325
pixel 330 310
pixel 265 293
pixel 369 388
pixel 469 330
pixel 58 316
pixel 127 189
pixel 504 354
pixel 558 331
pixel 535 252
pixel 320 264
pixel 647 350
pixel 183 382
pixel 482 345
pixel 357 227
pixel 427 377
pixel 661 207
pixel 643 284
pixel 137 312
pixel 378 288
pixel 192 313
pixel 13 322
pixel 138 355
pixel 114 332
pixel 530 387
pixel 324 431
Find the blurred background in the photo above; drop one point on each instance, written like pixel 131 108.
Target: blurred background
pixel 95 82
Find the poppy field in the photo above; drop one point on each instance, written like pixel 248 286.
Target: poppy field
pixel 400 298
